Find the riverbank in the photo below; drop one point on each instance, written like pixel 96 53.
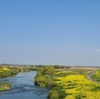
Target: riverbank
pixel 23 87
pixel 44 77
pixel 70 84
pixel 5 72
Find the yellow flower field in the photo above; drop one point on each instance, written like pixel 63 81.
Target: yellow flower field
pixel 79 87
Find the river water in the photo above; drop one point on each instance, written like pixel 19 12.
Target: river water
pixel 23 87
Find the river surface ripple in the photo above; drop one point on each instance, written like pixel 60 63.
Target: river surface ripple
pixel 23 87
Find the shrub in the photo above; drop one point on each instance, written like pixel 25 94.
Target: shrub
pixel 47 81
pixel 5 73
pixel 48 70
pixel 62 94
pixel 50 82
pixel 42 84
pixel 40 79
pixel 53 94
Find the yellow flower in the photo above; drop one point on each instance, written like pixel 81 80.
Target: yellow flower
pixel 5 69
pixel 79 86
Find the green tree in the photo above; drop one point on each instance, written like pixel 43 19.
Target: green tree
pixel 48 70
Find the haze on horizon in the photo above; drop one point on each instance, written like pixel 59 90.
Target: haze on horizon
pixel 50 32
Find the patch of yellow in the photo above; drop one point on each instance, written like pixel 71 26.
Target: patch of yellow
pixel 79 87
pixel 5 68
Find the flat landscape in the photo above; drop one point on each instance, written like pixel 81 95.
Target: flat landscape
pixel 49 49
pixel 70 82
pixel 63 82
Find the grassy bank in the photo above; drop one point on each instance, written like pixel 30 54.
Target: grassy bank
pixel 68 84
pixel 96 76
pixel 44 77
pixel 5 72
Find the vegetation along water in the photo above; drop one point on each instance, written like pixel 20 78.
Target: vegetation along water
pixel 69 83
pixel 50 82
pixel 23 87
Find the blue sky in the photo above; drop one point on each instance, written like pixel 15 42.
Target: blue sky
pixel 62 32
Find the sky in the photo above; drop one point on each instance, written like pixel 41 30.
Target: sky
pixel 50 32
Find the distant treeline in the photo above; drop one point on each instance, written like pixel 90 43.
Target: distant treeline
pixel 34 66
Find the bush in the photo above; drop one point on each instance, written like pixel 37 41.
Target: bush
pixel 14 71
pixel 40 79
pixel 47 81
pixel 44 77
pixel 50 82
pixel 26 69
pixel 5 73
pixel 48 70
pixel 61 92
pixel 42 84
pixel 53 94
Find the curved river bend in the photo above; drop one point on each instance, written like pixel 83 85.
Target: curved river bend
pixel 23 87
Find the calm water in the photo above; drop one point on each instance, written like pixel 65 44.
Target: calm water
pixel 23 87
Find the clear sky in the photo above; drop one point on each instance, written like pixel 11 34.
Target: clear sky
pixel 62 32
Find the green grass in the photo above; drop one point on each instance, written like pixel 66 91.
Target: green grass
pixel 97 78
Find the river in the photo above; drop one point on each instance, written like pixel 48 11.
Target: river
pixel 23 87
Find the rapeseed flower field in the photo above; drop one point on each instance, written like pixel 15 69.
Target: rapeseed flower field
pixel 77 86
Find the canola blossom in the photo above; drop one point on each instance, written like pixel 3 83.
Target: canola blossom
pixel 79 87
pixel 5 69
